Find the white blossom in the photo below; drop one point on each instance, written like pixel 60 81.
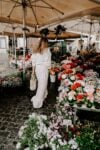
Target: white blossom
pixel 27 148
pixel 72 78
pixel 73 144
pixel 71 95
pixel 18 146
pixel 64 76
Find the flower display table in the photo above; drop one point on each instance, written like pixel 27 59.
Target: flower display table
pixel 87 109
pixel 62 129
pixel 10 77
pixel 80 85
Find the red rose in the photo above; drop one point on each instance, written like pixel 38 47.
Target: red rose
pixel 75 86
pixel 79 76
pixel 79 97
pixel 68 71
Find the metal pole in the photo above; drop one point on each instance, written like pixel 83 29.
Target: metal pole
pixel 90 35
pixel 24 42
pixel 12 45
pixel 10 48
pixel 15 46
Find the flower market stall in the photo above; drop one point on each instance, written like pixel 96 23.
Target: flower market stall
pixel 20 60
pixel 74 73
pixel 61 130
pixel 79 85
pixel 79 89
pixel 10 78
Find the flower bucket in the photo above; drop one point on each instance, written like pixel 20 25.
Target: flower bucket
pixel 53 78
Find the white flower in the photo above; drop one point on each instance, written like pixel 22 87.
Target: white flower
pixel 20 133
pixel 71 95
pixel 42 146
pixel 27 148
pixel 46 144
pixel 67 82
pixel 23 127
pixel 42 128
pixel 64 76
pixel 53 147
pixel 60 88
pixel 62 95
pixel 74 70
pixel 72 78
pixel 73 144
pixel 35 136
pixel 44 117
pixel 33 115
pixel 36 148
pixel 18 146
pixel 61 142
pixel 79 89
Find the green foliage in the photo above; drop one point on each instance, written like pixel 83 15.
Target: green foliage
pixel 87 140
pixel 30 138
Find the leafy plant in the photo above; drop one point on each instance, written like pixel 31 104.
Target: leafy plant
pixel 87 139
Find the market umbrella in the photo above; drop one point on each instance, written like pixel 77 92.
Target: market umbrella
pixel 42 12
pixel 24 4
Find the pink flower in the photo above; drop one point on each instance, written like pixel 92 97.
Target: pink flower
pixel 90 97
pixel 62 95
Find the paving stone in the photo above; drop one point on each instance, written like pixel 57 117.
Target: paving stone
pixel 14 110
pixel 4 134
pixel 2 146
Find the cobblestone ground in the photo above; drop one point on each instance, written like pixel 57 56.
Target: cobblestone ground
pixel 14 110
pixel 15 107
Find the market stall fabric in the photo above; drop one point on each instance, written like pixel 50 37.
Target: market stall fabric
pixel 41 12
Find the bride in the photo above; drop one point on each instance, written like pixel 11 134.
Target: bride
pixel 41 62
